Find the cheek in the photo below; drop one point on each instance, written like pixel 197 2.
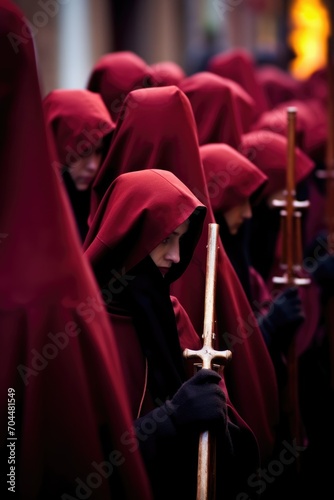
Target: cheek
pixel 227 219
pixel 156 255
pixel 71 171
pixel 160 255
pixel 75 170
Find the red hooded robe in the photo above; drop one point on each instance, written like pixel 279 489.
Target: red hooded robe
pixel 159 131
pixel 59 360
pixel 78 120
pixel 79 125
pixel 168 73
pixel 114 75
pixel 311 137
pixel 238 65
pixel 223 111
pixel 279 85
pixel 268 151
pixel 140 210
pixel 232 179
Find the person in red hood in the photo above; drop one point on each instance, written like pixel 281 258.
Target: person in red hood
pixel 311 138
pixel 64 409
pixel 141 240
pixel 168 73
pixel 116 74
pixel 80 127
pixel 238 64
pixel 235 185
pixel 268 151
pixel 279 85
pixel 223 111
pixel 159 131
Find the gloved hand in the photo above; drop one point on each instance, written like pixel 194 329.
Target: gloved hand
pixel 280 323
pixel 198 405
pixel 199 402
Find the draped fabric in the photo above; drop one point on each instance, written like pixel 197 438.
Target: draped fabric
pixel 231 180
pixel 223 110
pixel 159 131
pixel 153 328
pixel 78 125
pixel 58 353
pixel 279 85
pixel 168 73
pixel 268 151
pixel 311 125
pixel 78 122
pixel 116 74
pixel 316 85
pixel 311 138
pixel 238 65
pixel 150 204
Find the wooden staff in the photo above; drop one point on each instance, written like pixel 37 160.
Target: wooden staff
pixel 292 265
pixel 207 354
pixel 292 250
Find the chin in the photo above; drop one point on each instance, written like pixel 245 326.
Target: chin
pixel 82 187
pixel 163 270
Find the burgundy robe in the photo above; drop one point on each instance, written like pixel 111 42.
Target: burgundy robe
pixel 139 210
pixel 59 360
pixel 115 74
pixel 279 85
pixel 159 131
pixel 168 73
pixel 268 151
pixel 232 179
pixel 78 124
pixel 223 111
pixel 311 125
pixel 238 65
pixel 311 137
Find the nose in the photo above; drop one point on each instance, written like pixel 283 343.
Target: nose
pixel 93 163
pixel 247 212
pixel 173 254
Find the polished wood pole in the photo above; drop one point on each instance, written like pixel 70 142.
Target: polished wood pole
pixel 207 354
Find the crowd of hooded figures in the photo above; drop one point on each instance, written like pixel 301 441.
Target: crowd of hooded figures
pixel 108 193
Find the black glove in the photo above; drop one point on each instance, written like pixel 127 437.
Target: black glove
pixel 199 402
pixel 280 323
pixel 198 405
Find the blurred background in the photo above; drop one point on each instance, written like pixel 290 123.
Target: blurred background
pixel 71 35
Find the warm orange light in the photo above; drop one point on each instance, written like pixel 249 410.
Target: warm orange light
pixel 308 37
